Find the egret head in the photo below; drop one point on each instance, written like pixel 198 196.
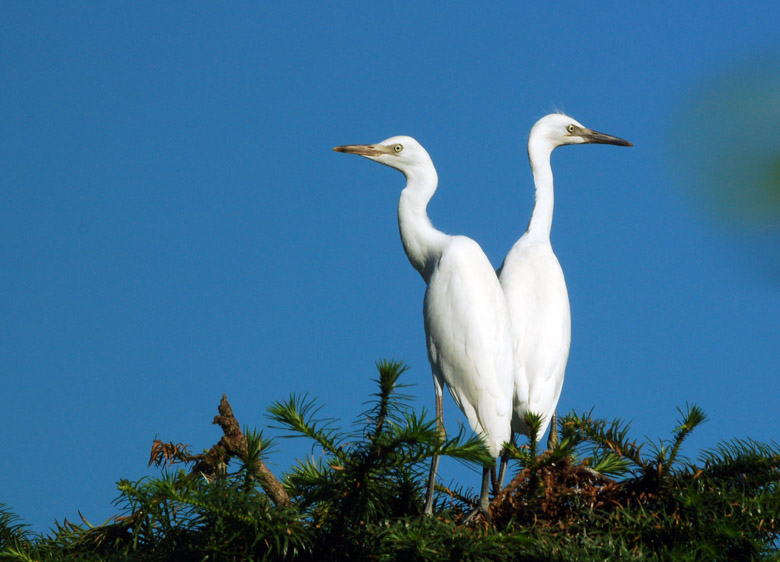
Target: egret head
pixel 402 153
pixel 557 129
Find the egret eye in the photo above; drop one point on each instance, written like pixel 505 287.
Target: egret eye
pixel 570 128
pixel 398 148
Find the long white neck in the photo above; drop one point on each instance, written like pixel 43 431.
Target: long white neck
pixel 541 219
pixel 423 244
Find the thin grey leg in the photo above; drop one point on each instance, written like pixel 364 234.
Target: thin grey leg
pixel 502 468
pixel 442 434
pixel 484 500
pixel 552 438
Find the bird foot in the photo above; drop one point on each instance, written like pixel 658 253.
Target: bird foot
pixel 473 513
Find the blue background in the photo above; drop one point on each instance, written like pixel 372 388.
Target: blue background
pixel 175 225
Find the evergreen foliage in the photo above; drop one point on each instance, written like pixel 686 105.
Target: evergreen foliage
pixel 598 495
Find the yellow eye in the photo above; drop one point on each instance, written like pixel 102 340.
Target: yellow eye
pixel 398 148
pixel 570 128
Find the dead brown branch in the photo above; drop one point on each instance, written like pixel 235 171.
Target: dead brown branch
pixel 232 444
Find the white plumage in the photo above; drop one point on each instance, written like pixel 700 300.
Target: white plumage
pixel 467 323
pixel 533 282
pixel 468 335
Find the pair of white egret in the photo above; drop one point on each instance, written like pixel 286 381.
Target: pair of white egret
pixel 498 340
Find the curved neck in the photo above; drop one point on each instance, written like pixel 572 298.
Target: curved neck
pixel 542 216
pixel 422 243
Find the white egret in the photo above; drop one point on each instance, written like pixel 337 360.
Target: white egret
pixel 533 282
pixel 467 325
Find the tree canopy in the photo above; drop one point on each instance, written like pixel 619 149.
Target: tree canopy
pixel 597 495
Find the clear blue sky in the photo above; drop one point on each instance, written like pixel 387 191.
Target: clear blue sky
pixel 175 225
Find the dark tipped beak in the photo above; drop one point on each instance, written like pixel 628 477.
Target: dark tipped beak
pixel 603 138
pixel 361 149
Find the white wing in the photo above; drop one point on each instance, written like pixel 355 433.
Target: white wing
pixel 467 326
pixel 538 302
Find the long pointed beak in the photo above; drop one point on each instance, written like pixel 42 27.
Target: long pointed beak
pixel 603 138
pixel 361 149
